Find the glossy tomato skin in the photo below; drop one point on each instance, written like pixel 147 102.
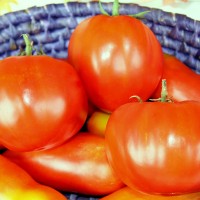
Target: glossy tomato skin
pixel 127 193
pixel 182 82
pixel 155 146
pixel 97 122
pixel 42 102
pixel 118 57
pixel 79 165
pixel 15 184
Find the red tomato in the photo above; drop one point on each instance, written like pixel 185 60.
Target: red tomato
pixel 182 82
pixel 1 147
pixel 80 165
pixel 17 184
pixel 91 108
pixel 131 194
pixel 42 102
pixel 155 146
pixel 116 57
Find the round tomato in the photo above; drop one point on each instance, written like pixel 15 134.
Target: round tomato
pixel 42 102
pixel 116 57
pixel 155 146
pixel 182 82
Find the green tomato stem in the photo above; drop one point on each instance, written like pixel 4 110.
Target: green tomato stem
pixel 29 45
pixel 102 9
pixel 140 15
pixel 115 8
pixel 164 92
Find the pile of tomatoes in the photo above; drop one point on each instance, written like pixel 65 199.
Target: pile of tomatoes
pixel 117 119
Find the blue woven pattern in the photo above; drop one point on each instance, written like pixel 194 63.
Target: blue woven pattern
pixel 51 26
pixel 79 197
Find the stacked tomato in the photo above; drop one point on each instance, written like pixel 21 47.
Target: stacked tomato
pixel 138 138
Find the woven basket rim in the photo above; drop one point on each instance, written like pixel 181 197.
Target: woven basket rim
pixel 183 40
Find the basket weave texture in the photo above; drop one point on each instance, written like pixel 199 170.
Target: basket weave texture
pixel 51 27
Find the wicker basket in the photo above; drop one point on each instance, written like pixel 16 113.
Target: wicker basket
pixel 51 26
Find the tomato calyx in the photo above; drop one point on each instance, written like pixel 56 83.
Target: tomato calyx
pixel 115 10
pixel 136 97
pixel 29 47
pixel 164 94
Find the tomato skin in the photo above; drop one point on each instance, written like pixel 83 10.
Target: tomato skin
pixel 127 193
pixel 155 146
pixel 17 184
pixel 42 102
pixel 96 123
pixel 79 165
pixel 115 65
pixel 1 147
pixel 91 109
pixel 182 82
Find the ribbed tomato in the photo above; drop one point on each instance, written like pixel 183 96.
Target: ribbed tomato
pixel 42 102
pixel 154 146
pixel 116 57
pixel 182 82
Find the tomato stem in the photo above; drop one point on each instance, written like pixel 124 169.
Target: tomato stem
pixel 115 8
pixel 102 9
pixel 164 92
pixel 28 45
pixel 136 97
pixel 140 15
